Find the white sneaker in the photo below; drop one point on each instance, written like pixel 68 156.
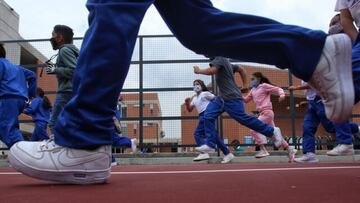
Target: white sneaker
pixel 114 163
pixel 291 153
pixel 133 145
pixel 307 158
pixel 202 157
pixel 277 137
pixel 48 161
pixel 342 150
pixel 332 78
pixel 227 158
pixel 261 154
pixel 204 149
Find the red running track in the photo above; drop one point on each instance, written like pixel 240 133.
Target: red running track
pixel 290 183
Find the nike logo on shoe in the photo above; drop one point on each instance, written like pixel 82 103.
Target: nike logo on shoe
pixel 66 158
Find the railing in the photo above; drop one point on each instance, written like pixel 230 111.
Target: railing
pixel 160 78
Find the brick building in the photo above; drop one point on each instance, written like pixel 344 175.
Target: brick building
pixel 234 131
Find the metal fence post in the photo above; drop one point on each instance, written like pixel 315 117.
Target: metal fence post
pixel 141 91
pixel 292 110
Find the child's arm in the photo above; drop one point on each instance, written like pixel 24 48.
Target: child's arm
pixel 209 96
pixel 206 71
pixel 70 63
pixel 347 23
pixel 188 105
pixel 248 97
pixel 31 109
pixel 301 87
pixel 274 90
pixel 31 80
pixel 243 76
pixel 1 70
pixel 117 124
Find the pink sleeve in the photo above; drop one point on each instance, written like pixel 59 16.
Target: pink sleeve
pixel 273 89
pixel 248 97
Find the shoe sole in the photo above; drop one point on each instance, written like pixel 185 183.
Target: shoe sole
pixel 304 162
pixel 343 69
pixel 262 156
pixel 342 154
pixel 197 160
pixel 67 177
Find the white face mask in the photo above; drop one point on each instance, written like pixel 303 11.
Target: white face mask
pixel 197 88
pixel 335 29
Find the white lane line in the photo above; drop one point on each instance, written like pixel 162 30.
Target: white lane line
pixel 233 170
pixel 219 171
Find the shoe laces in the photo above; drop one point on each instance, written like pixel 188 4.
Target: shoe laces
pixel 48 144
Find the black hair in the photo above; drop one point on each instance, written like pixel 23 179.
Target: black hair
pixel 263 78
pixel 46 102
pixel 66 32
pixel 202 84
pixel 332 21
pixel 2 51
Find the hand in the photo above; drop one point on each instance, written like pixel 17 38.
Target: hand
pixel 196 69
pixel 292 88
pixel 281 98
pixel 27 102
pixel 51 68
pixel 244 90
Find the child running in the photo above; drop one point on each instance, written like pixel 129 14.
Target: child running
pixel 313 117
pixel 260 94
pixel 118 140
pixel 200 101
pixel 39 109
pixel 17 85
pixel 230 101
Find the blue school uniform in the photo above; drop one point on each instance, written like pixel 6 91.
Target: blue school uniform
pixel 40 116
pixel 17 84
pixel 117 140
pixel 316 115
pixel 104 60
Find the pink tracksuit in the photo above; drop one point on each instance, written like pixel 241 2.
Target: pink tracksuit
pixel 261 97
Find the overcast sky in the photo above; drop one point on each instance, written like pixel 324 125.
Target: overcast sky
pixel 38 17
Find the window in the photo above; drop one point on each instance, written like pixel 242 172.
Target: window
pixel 134 129
pixel 151 108
pixel 124 112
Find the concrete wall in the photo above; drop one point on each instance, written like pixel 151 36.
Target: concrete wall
pixel 9 30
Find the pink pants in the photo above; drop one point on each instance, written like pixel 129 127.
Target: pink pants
pixel 266 116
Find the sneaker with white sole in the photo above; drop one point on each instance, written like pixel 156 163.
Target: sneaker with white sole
pixel 277 137
pixel 332 78
pixel 261 154
pixel 342 150
pixel 227 158
pixel 48 161
pixel 133 145
pixel 307 158
pixel 291 153
pixel 202 157
pixel 205 149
